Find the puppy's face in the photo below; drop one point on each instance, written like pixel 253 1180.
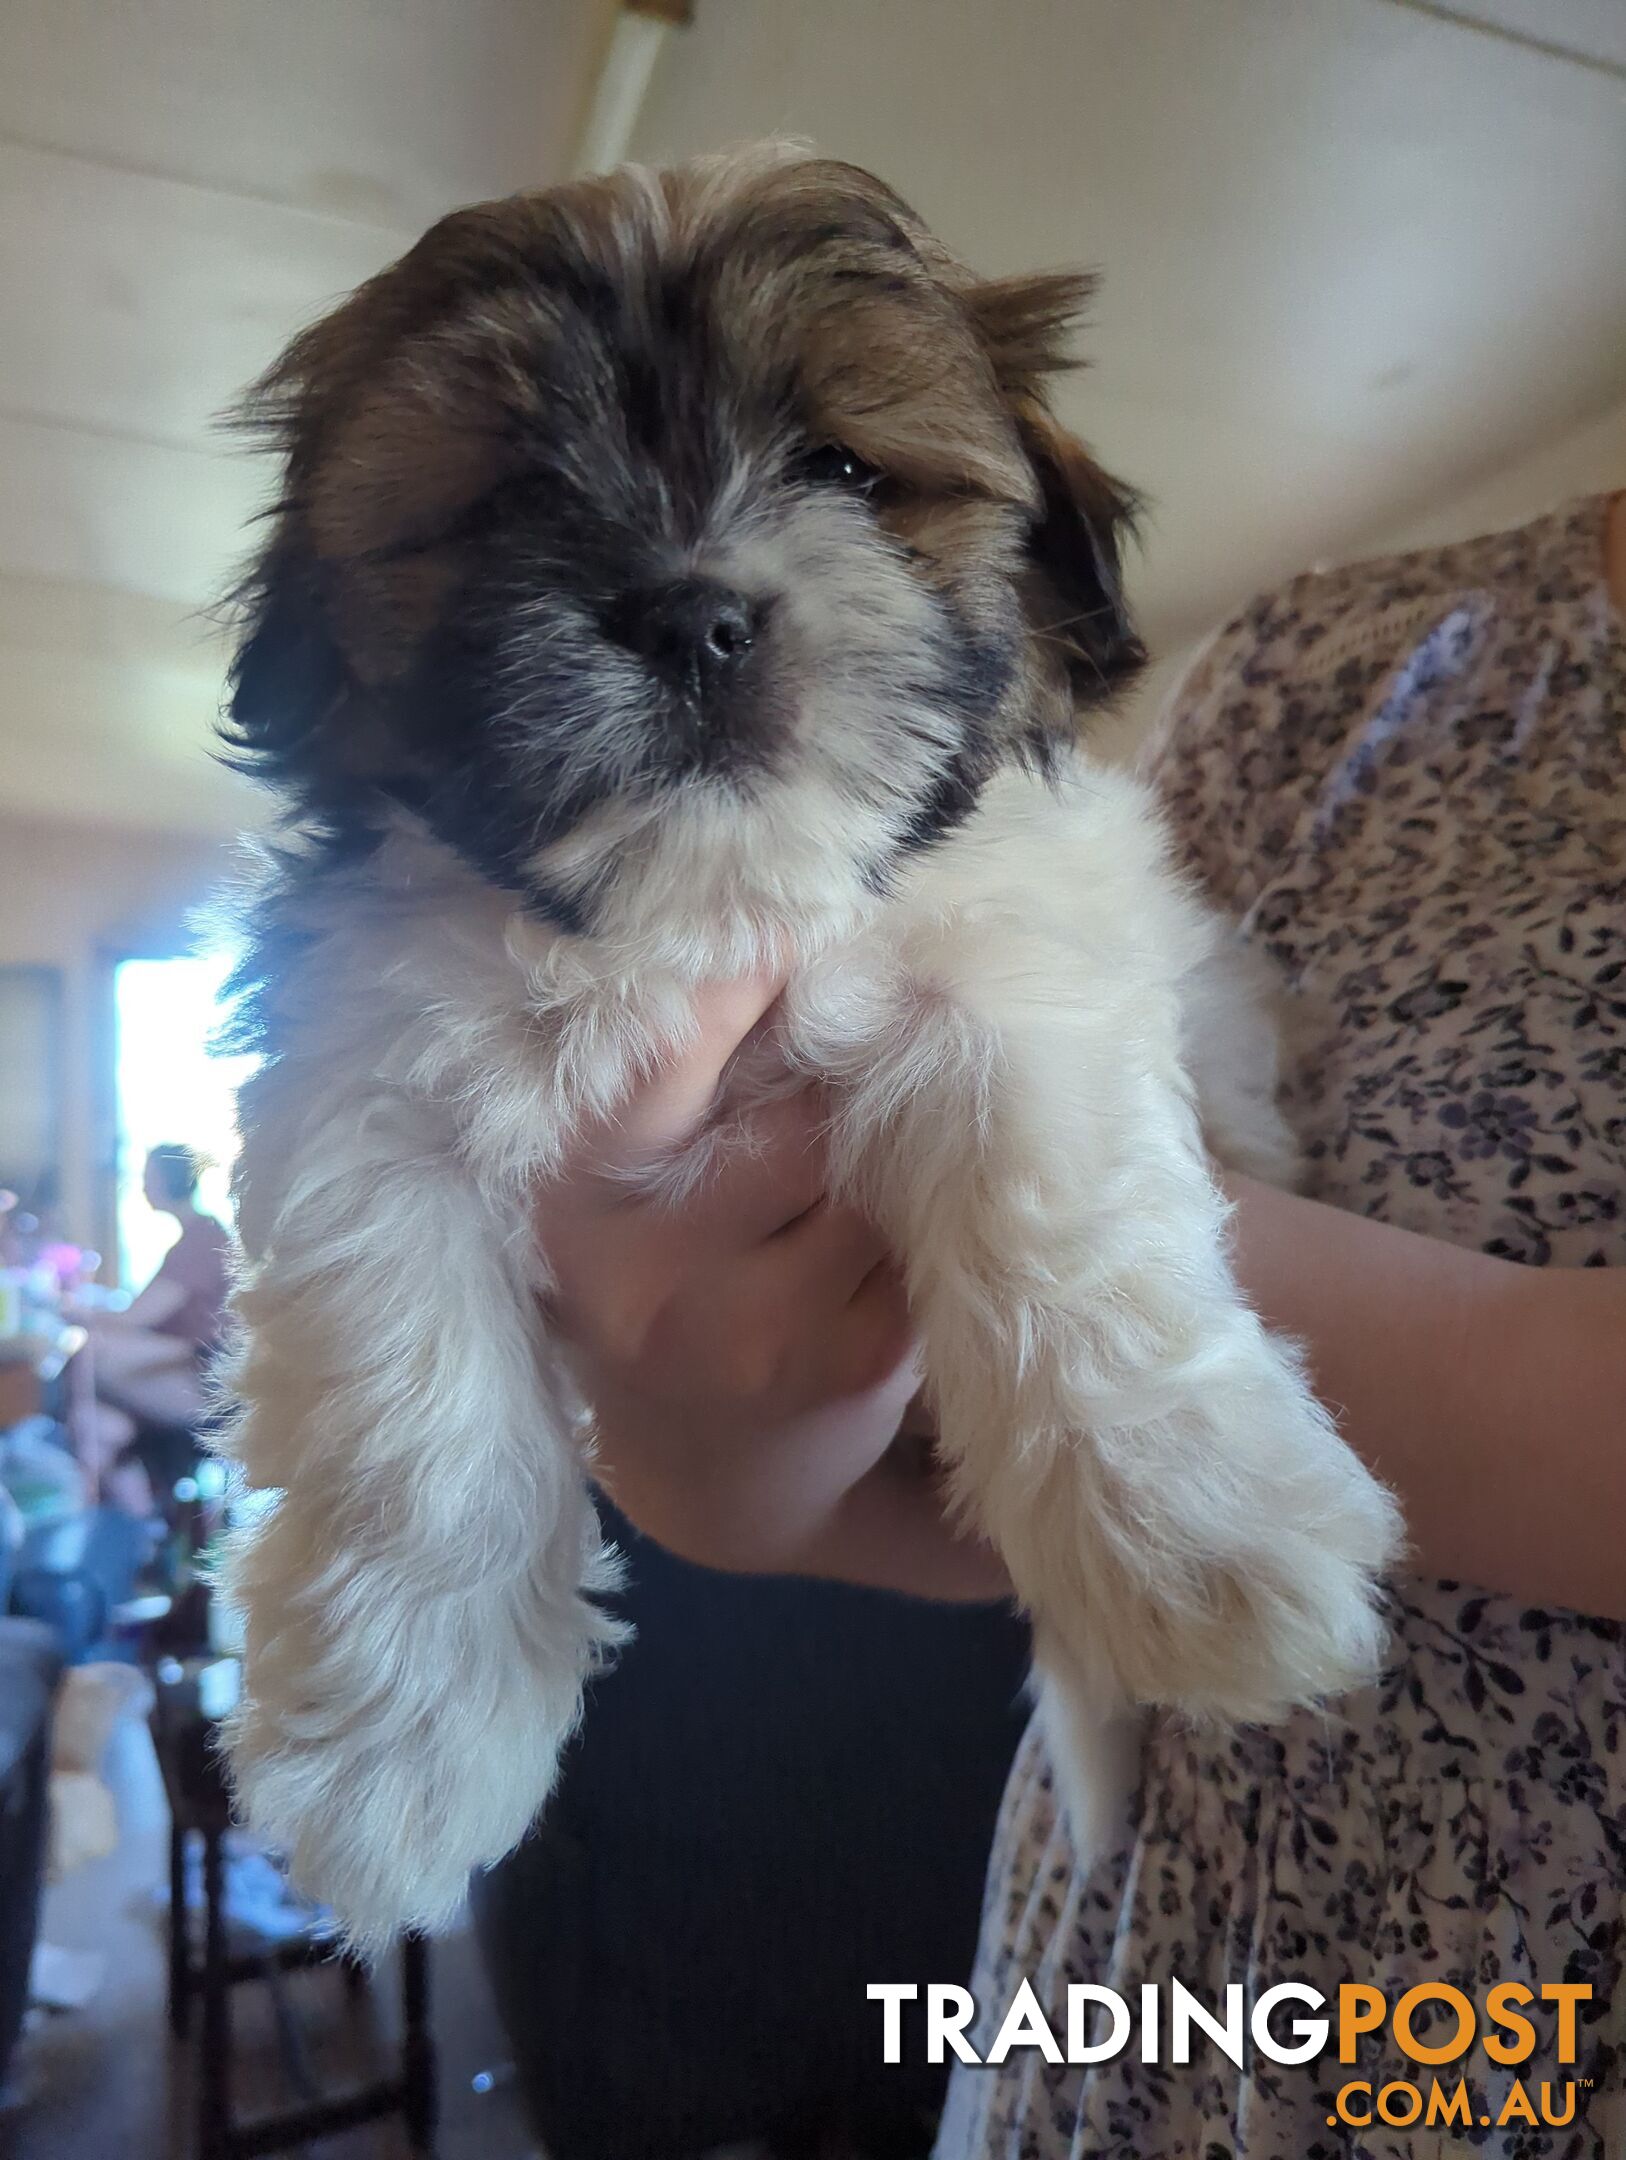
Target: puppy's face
pixel 696 542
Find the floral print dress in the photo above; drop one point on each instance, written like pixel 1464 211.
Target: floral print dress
pixel 1408 781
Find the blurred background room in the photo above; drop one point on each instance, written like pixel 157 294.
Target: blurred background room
pixel 1364 283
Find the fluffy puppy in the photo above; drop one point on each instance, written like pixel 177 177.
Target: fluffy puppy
pixel 673 570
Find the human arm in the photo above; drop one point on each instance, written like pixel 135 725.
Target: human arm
pixel 161 1300
pixel 1490 1396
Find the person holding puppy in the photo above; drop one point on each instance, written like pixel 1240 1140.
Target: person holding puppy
pixel 1404 779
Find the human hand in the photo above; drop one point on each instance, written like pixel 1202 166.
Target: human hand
pixel 746 1351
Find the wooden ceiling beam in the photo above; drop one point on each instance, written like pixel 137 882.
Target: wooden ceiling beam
pixel 635 32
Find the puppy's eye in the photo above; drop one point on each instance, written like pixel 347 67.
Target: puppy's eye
pixel 834 465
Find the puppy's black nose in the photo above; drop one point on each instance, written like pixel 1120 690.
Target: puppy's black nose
pixel 689 627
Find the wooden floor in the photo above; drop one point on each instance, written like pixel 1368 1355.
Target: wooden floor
pixel 105 2082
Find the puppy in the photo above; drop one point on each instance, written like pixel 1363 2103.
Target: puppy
pixel 674 571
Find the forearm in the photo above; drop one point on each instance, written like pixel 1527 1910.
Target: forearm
pixel 1491 1397
pixel 150 1308
pixel 805 1499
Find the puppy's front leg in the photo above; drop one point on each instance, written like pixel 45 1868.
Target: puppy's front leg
pixel 1175 1509
pixel 417 1628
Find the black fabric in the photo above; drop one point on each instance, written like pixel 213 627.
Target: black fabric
pixel 784 1790
pixel 30 1666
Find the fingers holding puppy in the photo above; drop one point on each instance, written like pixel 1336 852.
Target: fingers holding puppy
pixel 753 1292
pixel 744 1341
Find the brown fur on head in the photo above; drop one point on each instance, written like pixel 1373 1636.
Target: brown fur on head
pixel 711 513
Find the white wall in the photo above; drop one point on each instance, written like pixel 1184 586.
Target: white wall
pixel 1588 460
pixel 78 898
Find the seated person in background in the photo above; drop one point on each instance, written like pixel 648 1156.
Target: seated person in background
pixel 150 1358
pixel 186 1299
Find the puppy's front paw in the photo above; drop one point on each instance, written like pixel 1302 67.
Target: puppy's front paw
pixel 387 1827
pixel 1291 1623
pixel 1283 1608
pixel 1223 1559
pixel 397 1732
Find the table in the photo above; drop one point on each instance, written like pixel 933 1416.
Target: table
pixel 187 1739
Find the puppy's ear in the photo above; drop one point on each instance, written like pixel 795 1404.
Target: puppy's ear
pixel 288 678
pixel 1076 547
pixel 295 714
pixel 1026 327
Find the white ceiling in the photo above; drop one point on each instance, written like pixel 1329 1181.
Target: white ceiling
pixel 183 183
pixel 1357 256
